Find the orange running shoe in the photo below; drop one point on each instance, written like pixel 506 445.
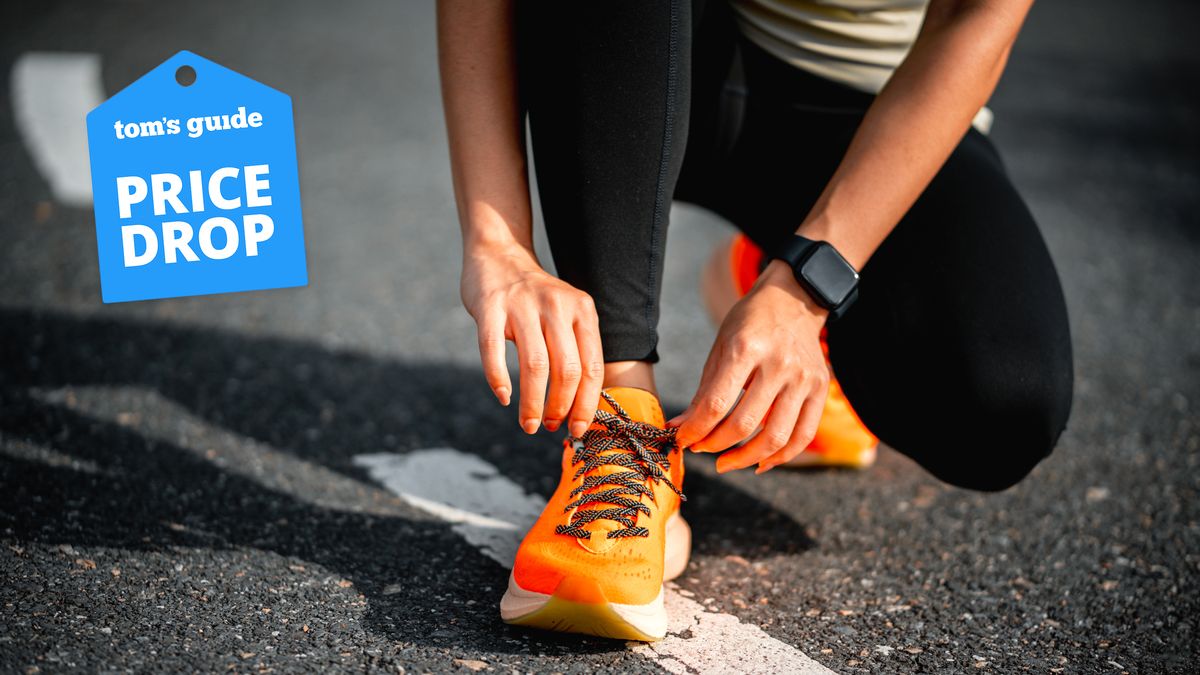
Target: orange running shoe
pixel 841 439
pixel 596 559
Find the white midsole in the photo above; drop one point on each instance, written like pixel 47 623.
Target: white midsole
pixel 678 547
pixel 650 618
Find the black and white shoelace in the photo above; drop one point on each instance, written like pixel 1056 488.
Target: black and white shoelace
pixel 643 449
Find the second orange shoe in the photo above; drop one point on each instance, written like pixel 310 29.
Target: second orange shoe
pixel 842 439
pixel 596 559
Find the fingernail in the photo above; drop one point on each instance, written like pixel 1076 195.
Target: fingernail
pixel 675 421
pixel 763 468
pixel 552 425
pixel 578 428
pixel 530 425
pixel 503 393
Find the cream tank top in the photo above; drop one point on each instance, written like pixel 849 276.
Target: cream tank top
pixel 858 43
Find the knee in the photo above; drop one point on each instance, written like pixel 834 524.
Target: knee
pixel 1005 423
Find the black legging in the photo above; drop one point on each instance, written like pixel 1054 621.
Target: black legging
pixel 958 351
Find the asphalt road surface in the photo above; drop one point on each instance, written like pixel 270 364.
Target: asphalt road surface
pixel 220 482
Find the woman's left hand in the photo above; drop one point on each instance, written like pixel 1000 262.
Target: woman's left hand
pixel 768 345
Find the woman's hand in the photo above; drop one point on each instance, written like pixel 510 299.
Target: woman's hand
pixel 505 290
pixel 554 326
pixel 769 345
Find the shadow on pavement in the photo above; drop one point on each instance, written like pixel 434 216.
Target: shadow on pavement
pixel 319 405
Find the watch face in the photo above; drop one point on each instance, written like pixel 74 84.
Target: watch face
pixel 828 273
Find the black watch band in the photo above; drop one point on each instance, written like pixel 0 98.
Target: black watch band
pixel 822 271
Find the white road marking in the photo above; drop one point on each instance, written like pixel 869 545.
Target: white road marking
pixel 52 94
pixel 493 513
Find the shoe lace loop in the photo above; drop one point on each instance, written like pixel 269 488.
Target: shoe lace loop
pixel 642 449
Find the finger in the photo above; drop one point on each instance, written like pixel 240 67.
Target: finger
pixel 744 419
pixel 714 399
pixel 591 355
pixel 491 353
pixel 802 435
pixel 565 370
pixel 535 369
pixel 775 434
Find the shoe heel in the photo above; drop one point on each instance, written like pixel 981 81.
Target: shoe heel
pixel 678 547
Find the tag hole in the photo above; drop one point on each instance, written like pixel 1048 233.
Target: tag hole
pixel 185 76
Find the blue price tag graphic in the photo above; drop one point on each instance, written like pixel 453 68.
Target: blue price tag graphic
pixel 195 185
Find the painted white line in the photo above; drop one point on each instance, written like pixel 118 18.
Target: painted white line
pixel 493 513
pixel 52 94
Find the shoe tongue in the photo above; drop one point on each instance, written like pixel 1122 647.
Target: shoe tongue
pixel 639 404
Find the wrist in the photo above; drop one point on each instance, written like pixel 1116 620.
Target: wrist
pixel 479 246
pixel 490 231
pixel 778 278
pixel 820 226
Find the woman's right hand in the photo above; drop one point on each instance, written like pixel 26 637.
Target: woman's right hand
pixel 554 326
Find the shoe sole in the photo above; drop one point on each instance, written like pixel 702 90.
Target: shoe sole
pixel 579 606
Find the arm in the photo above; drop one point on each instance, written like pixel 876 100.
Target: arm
pixel 915 123
pixel 768 344
pixel 504 288
pixel 485 130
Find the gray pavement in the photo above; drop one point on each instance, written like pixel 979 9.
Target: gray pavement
pixel 177 486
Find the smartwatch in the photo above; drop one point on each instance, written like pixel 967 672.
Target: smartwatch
pixel 822 271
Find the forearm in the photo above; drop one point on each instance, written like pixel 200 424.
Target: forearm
pixel 484 125
pixel 915 123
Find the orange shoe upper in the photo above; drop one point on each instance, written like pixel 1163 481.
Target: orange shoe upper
pixel 628 568
pixel 747 261
pixel 840 431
